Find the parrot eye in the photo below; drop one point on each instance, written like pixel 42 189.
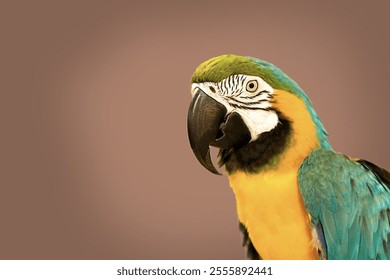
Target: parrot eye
pixel 252 86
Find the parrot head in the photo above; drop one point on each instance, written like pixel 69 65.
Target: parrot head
pixel 250 110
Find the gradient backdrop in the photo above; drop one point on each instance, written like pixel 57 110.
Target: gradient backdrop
pixel 95 160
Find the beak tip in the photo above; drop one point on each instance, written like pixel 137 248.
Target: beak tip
pixel 213 170
pixel 205 160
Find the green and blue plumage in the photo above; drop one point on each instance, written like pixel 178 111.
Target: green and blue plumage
pixel 349 202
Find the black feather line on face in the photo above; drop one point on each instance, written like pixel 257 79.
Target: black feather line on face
pixel 258 94
pixel 246 103
pixel 259 153
pixel 248 108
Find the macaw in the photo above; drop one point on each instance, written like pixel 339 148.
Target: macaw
pixel 296 198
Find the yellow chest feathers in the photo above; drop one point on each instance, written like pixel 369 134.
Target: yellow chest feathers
pixel 271 208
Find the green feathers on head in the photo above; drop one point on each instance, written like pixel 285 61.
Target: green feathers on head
pixel 218 68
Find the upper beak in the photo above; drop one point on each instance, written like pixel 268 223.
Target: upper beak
pixel 204 117
pixel 209 124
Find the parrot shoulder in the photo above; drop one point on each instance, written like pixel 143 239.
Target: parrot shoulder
pixel 349 205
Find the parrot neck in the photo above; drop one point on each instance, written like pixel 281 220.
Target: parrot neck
pixel 269 202
pixel 286 146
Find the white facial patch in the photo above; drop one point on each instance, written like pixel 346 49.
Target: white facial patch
pixel 249 96
pixel 259 121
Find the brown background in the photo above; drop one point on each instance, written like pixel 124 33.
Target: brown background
pixel 95 161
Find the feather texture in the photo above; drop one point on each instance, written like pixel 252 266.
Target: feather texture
pixel 350 201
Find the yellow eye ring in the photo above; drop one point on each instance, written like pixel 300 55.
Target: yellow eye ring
pixel 251 86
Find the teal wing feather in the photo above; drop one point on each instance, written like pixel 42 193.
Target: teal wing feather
pixel 349 205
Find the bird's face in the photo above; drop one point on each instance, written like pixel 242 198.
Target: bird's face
pixel 229 114
pixel 252 111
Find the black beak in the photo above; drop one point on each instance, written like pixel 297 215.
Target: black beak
pixel 208 125
pixel 204 117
